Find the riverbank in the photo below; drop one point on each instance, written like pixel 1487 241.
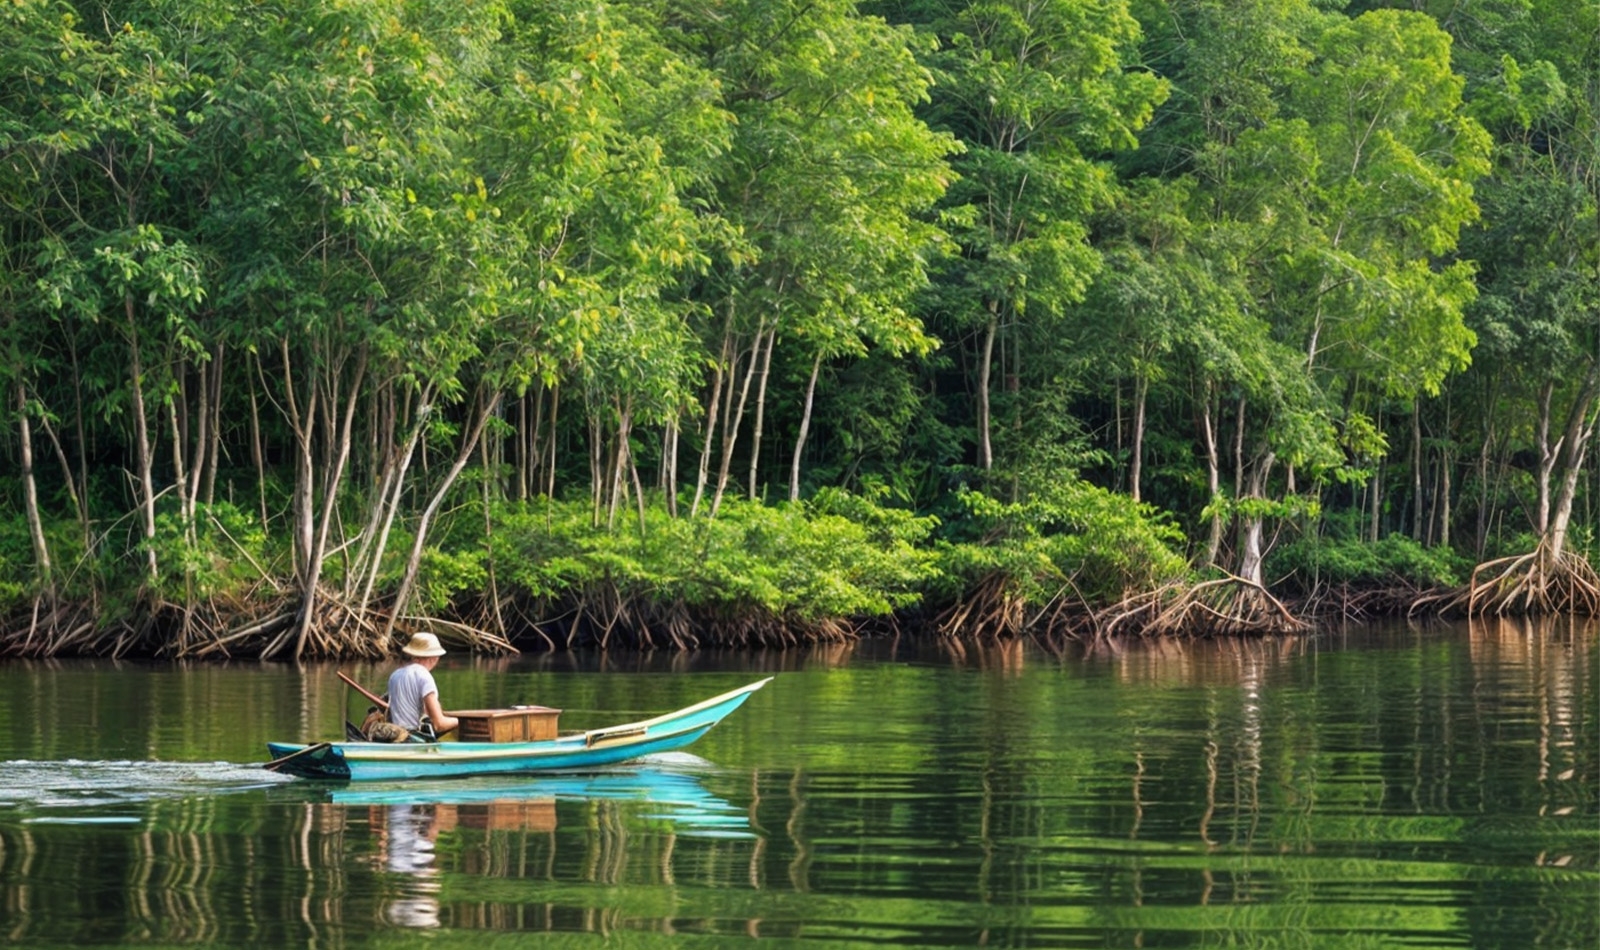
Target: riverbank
pixel 836 567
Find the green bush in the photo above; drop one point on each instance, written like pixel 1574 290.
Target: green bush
pixel 1104 544
pixel 837 556
pixel 1394 560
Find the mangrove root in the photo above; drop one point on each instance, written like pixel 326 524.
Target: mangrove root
pixel 1228 605
pixel 1535 583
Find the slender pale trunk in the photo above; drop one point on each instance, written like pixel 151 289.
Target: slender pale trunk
pixel 550 470
pixel 488 538
pixel 1547 461
pixel 257 458
pixel 1376 501
pixel 68 481
pixel 805 428
pixel 597 469
pixel 1579 430
pixel 536 443
pixel 1208 429
pixel 734 420
pixel 1141 389
pixel 1416 470
pixel 180 480
pixel 985 445
pixel 1484 451
pixel 303 425
pixel 669 465
pixel 30 497
pixel 393 489
pixel 524 443
pixel 141 436
pixel 469 445
pixel 620 465
pixel 722 367
pixel 1251 553
pixel 214 452
pixel 341 434
pixel 1444 499
pixel 1238 451
pixel 638 491
pixel 82 491
pixel 761 407
pixel 202 437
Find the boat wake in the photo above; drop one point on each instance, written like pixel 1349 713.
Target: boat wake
pixel 74 790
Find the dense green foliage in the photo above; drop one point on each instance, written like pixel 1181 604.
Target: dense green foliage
pixel 317 318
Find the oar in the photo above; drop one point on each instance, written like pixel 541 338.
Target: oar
pixel 277 763
pixel 383 704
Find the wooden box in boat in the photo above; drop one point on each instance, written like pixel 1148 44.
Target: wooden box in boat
pixel 517 724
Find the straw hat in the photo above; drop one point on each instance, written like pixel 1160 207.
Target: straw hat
pixel 423 644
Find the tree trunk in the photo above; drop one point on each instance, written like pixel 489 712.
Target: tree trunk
pixel 1376 496
pixel 396 466
pixel 985 446
pixel 302 423
pixel 1547 461
pixel 734 420
pixel 469 444
pixel 493 593
pixel 1141 388
pixel 761 407
pixel 1574 442
pixel 141 436
pixel 805 428
pixel 30 498
pixel 1208 430
pixel 341 437
pixel 1444 498
pixel 257 458
pixel 597 468
pixel 1238 450
pixel 550 472
pixel 1416 470
pixel 214 449
pixel 711 414
pixel 1251 554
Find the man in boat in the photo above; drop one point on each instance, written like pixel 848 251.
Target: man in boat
pixel 413 695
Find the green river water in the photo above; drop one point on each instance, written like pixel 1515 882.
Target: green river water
pixel 1394 786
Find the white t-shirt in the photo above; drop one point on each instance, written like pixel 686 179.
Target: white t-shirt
pixel 408 686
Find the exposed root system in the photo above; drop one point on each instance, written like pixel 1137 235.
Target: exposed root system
pixel 217 631
pixel 1352 602
pixel 991 610
pixel 1228 605
pixel 1535 583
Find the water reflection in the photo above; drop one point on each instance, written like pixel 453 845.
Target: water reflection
pixel 406 835
pixel 1421 786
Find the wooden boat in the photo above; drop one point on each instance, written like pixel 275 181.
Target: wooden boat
pixel 360 761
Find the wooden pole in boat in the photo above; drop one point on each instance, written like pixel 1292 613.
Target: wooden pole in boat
pixel 382 703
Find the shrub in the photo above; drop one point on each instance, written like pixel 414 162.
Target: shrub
pixel 1393 561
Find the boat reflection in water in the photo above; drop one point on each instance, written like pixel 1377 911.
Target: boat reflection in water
pixel 407 820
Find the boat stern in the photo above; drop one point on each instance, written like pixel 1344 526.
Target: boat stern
pixel 321 760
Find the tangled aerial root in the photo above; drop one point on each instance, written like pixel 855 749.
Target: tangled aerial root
pixel 1539 582
pixel 1229 606
pixel 991 610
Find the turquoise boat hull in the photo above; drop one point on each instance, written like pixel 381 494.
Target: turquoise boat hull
pixel 365 761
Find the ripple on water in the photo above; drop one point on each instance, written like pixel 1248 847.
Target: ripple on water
pixel 32 788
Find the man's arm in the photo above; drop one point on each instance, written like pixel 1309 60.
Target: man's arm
pixel 441 722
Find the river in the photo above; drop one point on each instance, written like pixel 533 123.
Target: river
pixel 1385 786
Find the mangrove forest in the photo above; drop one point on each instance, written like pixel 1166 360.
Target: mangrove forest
pixel 667 324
